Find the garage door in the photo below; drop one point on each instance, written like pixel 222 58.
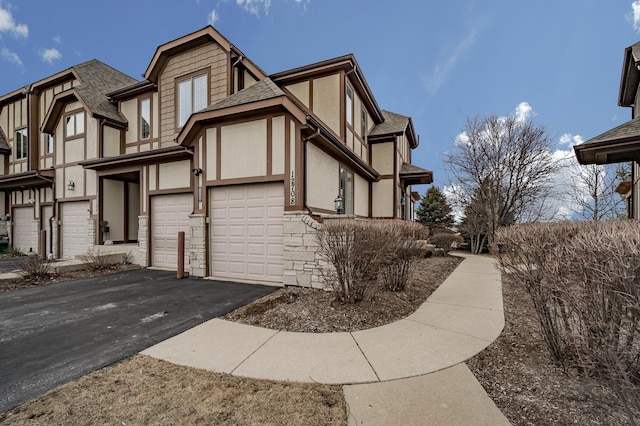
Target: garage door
pixel 74 217
pixel 22 222
pixel 169 215
pixel 246 232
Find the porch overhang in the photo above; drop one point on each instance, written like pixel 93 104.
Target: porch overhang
pixel 624 187
pixel 30 179
pixel 162 155
pixel 414 175
pixel 617 145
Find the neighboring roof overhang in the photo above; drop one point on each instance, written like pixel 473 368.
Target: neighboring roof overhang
pixel 415 196
pixel 133 90
pixel 162 155
pixel 414 175
pixel 339 149
pixel 16 94
pixel 191 41
pixel 630 76
pixel 346 63
pixel 624 187
pixel 199 120
pixel 4 145
pixel 27 179
pixel 617 145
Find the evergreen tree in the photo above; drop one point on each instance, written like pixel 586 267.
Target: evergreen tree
pixel 434 211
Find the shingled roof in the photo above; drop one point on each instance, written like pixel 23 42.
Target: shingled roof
pixel 98 79
pixel 616 145
pixel 393 124
pixel 262 90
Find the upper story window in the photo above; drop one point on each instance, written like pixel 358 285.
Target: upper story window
pixel 74 124
pixel 192 97
pixel 49 147
pixel 21 144
pixel 349 106
pixel 145 118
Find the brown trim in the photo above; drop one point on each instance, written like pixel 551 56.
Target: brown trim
pixel 33 118
pixel 300 171
pixel 287 161
pixel 218 152
pixel 311 81
pixel 148 97
pixel 100 235
pixel 319 210
pixel 156 156
pixel 80 198
pixel 269 146
pixel 127 93
pixel 182 190
pixel 252 179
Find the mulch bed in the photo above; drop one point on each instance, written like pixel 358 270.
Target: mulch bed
pixel 318 311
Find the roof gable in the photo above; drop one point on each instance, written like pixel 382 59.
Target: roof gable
pixel 393 125
pixel 630 76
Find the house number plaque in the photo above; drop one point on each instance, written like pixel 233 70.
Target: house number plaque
pixel 292 190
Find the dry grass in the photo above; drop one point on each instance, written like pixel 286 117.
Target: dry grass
pixel 146 391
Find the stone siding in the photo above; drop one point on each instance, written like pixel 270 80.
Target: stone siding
pixel 302 261
pixel 143 241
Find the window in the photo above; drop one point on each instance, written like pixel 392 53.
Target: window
pixel 363 124
pixel 74 124
pixel 49 147
pixel 145 118
pixel 346 190
pixel 21 144
pixel 349 106
pixel 192 97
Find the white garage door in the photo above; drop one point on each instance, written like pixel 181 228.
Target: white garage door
pixel 22 222
pixel 74 217
pixel 169 215
pixel 246 232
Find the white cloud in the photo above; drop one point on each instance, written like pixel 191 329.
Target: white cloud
pixel 523 112
pixel 635 6
pixel 57 40
pixel 7 24
pixel 441 70
pixel 213 17
pixel 11 57
pixel 253 6
pixel 51 55
pixel 570 140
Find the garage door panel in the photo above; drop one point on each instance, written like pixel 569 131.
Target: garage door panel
pixel 22 222
pixel 246 220
pixel 170 215
pixel 75 237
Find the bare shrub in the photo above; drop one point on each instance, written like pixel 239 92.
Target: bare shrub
pixel 403 246
pixel 446 241
pixel 97 261
pixel 352 247
pixel 584 280
pixel 33 268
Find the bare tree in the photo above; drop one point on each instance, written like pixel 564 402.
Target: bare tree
pixel 501 169
pixel 593 191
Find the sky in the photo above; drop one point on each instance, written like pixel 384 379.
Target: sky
pixel 557 62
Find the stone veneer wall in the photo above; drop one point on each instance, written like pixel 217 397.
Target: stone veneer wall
pixel 143 240
pixel 198 245
pixel 91 231
pixel 302 262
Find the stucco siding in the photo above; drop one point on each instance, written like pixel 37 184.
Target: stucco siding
pixel 243 150
pixel 382 158
pixel 300 91
pixel 361 196
pixel 322 178
pixel 175 175
pixel 326 101
pixel 382 203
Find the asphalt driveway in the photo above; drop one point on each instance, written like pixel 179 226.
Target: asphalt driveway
pixel 54 334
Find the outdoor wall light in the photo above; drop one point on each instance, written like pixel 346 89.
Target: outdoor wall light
pixel 339 204
pixel 197 172
pixel 71 185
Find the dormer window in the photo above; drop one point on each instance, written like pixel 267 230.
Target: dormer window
pixel 74 124
pixel 192 96
pixel 349 106
pixel 21 143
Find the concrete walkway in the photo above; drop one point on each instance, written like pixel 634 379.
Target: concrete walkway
pixel 461 318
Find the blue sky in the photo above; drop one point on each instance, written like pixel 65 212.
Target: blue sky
pixel 439 62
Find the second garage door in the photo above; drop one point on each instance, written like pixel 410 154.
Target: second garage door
pixel 22 222
pixel 246 232
pixel 169 215
pixel 75 238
